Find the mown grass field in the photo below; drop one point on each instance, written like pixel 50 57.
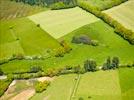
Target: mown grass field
pixel 101 85
pixel 126 76
pixel 123 14
pixel 111 46
pixel 11 10
pixel 61 22
pixel 60 89
pixel 24 37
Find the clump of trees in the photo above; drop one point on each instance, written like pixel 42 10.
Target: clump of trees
pixel 85 40
pixel 65 48
pixel 1 72
pixel 41 86
pixel 111 64
pixel 90 65
pixel 47 2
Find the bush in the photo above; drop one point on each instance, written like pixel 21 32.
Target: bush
pixel 81 39
pixel 35 69
pixel 41 86
pixel 4 85
pixel 58 5
pixel 94 43
pixel 1 72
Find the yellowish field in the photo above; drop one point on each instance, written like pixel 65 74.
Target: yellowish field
pixel 124 14
pixel 60 22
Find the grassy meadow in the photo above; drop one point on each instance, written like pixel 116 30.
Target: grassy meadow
pixel 101 85
pixel 107 47
pixel 24 37
pixel 61 22
pixel 123 14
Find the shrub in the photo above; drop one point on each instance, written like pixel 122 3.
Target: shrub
pixel 41 86
pixel 94 43
pixel 35 69
pixel 1 72
pixel 4 85
pixel 58 5
pixel 19 56
pixel 81 39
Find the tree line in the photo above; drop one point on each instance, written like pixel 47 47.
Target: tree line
pixel 119 28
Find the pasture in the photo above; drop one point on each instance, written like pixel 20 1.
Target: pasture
pixel 24 37
pixel 60 89
pixel 11 10
pixel 96 31
pixel 126 76
pixel 123 14
pixel 61 22
pixel 107 87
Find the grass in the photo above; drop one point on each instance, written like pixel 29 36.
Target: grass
pixel 61 22
pixel 60 88
pixel 97 31
pixel 101 85
pixel 123 14
pixel 107 87
pixel 126 76
pixel 102 4
pixel 23 36
pixel 11 10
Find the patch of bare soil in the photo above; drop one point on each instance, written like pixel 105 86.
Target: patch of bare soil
pixel 41 79
pixel 24 95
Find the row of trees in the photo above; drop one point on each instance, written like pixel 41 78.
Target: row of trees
pixel 120 29
pixel 47 2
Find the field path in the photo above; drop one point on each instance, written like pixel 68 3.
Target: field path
pixel 24 95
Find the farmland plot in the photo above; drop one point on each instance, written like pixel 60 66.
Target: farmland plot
pixel 60 22
pixel 123 13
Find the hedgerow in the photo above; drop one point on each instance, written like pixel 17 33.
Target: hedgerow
pixel 119 29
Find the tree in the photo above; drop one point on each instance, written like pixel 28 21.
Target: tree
pixel 35 69
pixel 1 72
pixel 90 65
pixel 77 69
pixel 115 62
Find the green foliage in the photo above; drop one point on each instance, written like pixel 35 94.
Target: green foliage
pixel 111 64
pixel 4 85
pixel 90 65
pixel 62 50
pixel 1 72
pixel 41 86
pixel 35 69
pixel 121 30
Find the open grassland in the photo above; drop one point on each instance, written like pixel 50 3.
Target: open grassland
pixel 126 76
pixel 60 89
pixel 124 14
pixel 110 44
pixel 10 9
pixel 60 22
pixel 24 37
pixel 102 4
pixel 101 85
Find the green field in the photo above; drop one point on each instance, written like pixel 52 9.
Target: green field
pixel 96 31
pixel 61 22
pixel 60 89
pixel 101 85
pixel 11 10
pixel 123 14
pixel 126 76
pixel 24 37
